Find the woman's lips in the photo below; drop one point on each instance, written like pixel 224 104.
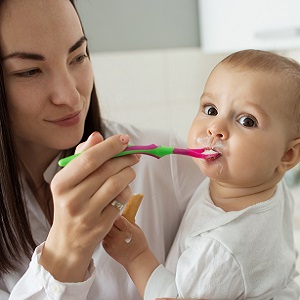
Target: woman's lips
pixel 69 120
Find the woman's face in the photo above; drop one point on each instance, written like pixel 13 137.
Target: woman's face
pixel 47 74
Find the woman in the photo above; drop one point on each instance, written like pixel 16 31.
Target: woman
pixel 49 105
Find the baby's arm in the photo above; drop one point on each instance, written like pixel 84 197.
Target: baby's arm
pixel 127 244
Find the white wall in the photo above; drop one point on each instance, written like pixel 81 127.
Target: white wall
pixel 157 88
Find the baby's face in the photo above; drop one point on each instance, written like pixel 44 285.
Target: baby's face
pixel 241 115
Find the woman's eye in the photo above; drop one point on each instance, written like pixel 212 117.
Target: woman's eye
pixel 210 110
pixel 247 121
pixel 29 73
pixel 80 58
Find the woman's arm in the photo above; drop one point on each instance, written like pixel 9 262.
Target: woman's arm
pixel 82 193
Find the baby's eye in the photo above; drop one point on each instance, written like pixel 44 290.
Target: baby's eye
pixel 210 110
pixel 247 121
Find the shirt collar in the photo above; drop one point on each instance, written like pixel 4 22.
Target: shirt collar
pixel 52 169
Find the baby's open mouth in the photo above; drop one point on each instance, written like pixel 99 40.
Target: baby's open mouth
pixel 211 154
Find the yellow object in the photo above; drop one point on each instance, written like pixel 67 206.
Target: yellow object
pixel 132 207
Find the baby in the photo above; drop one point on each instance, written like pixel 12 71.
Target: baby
pixel 236 237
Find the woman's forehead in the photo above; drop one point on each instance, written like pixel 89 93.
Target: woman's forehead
pixel 28 25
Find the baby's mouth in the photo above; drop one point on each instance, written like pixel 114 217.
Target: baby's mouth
pixel 211 154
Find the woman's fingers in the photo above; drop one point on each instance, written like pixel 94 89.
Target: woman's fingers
pixel 106 183
pixel 93 139
pixel 109 212
pixel 82 195
pixel 90 160
pixel 107 174
pixel 89 195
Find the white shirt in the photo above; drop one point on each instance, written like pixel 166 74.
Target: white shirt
pixel 167 185
pixel 247 254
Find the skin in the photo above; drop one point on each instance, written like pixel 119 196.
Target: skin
pixel 48 96
pixel 242 116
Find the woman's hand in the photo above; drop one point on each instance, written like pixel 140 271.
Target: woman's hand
pixel 82 193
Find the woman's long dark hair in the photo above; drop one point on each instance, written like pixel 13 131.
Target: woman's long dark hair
pixel 16 241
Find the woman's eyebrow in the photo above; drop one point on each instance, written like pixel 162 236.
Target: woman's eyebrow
pixel 24 55
pixel 36 56
pixel 78 44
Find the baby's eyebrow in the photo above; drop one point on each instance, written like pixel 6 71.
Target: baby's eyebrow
pixel 206 95
pixel 36 56
pixel 258 108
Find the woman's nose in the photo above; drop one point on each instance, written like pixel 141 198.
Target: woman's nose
pixel 64 90
pixel 217 130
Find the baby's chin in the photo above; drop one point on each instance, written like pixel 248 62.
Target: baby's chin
pixel 211 167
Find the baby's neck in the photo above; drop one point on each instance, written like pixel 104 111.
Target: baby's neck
pixel 236 198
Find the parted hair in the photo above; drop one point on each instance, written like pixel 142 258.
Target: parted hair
pixel 16 240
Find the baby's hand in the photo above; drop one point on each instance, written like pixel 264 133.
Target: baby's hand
pixel 125 242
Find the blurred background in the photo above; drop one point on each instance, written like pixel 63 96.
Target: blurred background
pixel 151 58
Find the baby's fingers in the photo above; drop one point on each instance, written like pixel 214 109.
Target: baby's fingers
pixel 121 224
pixel 120 232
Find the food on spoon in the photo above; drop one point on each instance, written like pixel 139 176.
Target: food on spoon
pixel 209 152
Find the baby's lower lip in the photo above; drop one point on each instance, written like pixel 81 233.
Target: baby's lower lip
pixel 212 158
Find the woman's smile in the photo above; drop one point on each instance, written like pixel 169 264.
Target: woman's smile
pixel 68 120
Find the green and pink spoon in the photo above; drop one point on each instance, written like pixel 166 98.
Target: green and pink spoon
pixel 157 152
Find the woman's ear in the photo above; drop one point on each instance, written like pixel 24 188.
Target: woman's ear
pixel 291 156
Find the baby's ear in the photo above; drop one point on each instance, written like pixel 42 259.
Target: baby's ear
pixel 291 156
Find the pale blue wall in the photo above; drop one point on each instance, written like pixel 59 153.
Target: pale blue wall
pixel 120 25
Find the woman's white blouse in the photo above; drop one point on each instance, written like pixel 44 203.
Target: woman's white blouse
pixel 167 185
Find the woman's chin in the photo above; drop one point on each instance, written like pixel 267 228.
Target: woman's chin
pixel 68 142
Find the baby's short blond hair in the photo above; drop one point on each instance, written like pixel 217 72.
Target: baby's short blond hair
pixel 265 61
